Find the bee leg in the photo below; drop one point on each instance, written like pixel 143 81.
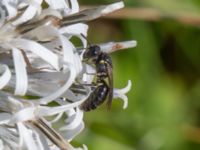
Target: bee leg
pixel 78 91
pixel 92 74
pixel 79 85
pixel 91 85
pixel 83 91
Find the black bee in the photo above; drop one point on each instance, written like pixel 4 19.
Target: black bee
pixel 97 97
pixel 103 64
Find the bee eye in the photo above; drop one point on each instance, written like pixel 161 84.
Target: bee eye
pixel 95 50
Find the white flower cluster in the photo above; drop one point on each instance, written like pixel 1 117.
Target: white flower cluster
pixel 39 65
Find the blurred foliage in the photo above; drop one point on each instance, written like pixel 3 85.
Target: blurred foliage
pixel 164 103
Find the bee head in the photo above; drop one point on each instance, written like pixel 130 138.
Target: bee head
pixel 93 51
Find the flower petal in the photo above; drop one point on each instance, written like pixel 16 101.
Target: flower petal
pixel 38 49
pixel 4 118
pixel 1 145
pixel 120 93
pixel 77 119
pixel 27 139
pixel 29 13
pixel 71 134
pixel 4 14
pixel 56 118
pixel 74 6
pixel 21 74
pixel 77 30
pixel 91 14
pixel 11 9
pixel 115 46
pixel 112 7
pixel 59 92
pixel 49 111
pixel 23 115
pixel 68 54
pixel 58 4
pixel 5 77
pixel 45 83
pixel 9 138
pixel 124 90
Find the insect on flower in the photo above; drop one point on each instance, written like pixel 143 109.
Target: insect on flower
pixel 38 58
pixel 103 64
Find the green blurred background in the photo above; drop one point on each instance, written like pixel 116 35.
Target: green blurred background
pixel 164 103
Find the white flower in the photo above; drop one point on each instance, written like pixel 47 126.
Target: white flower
pixel 39 64
pixel 121 93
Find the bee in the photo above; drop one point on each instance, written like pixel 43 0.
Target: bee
pixel 97 97
pixel 103 64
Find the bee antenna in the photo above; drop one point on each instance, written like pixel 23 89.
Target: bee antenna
pixel 86 39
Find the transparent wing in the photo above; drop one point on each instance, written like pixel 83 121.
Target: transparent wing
pixel 110 84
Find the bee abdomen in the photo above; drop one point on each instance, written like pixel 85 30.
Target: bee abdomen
pixel 96 98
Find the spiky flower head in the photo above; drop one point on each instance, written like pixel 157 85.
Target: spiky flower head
pixel 41 71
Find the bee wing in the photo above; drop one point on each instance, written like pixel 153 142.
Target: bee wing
pixel 110 82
